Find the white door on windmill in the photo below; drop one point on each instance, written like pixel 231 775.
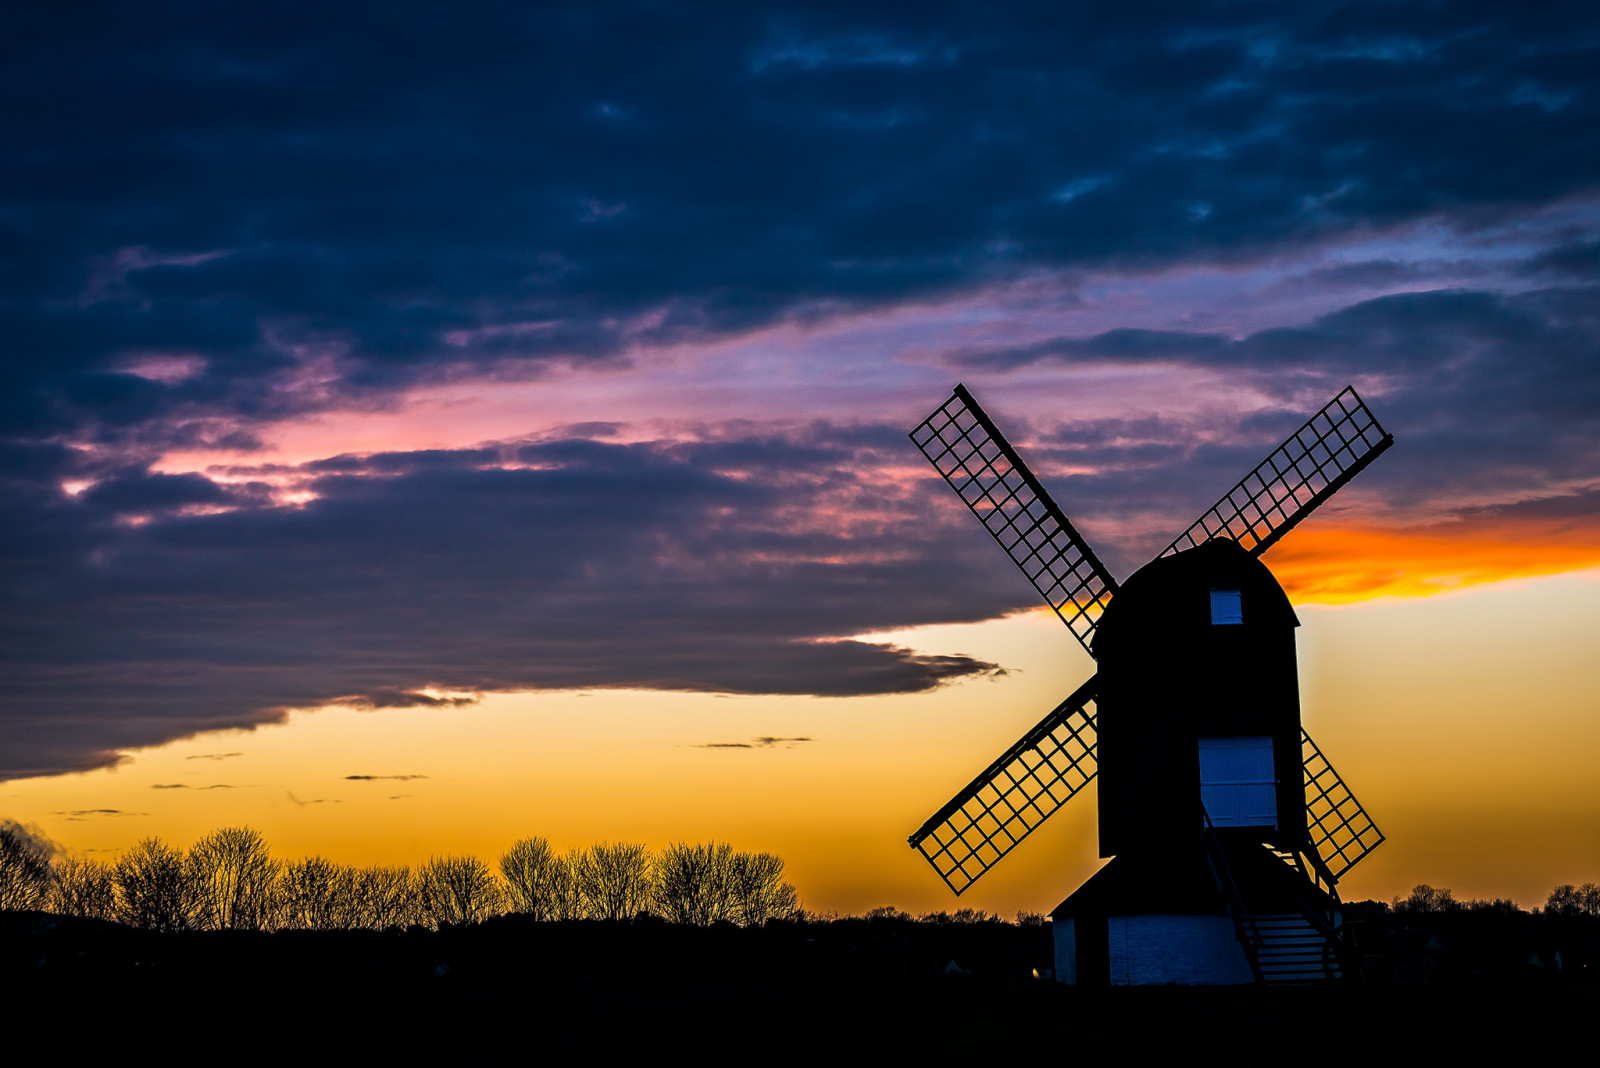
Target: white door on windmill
pixel 1236 782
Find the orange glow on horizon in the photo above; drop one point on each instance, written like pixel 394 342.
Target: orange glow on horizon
pixel 1320 564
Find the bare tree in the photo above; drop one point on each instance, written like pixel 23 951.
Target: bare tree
pixel 26 876
pixel 614 880
pixel 694 883
pixel 387 897
pixel 315 894
pixel 1424 898
pixel 154 888
pixel 84 888
pixel 535 878
pixel 758 890
pixel 233 877
pixel 457 890
pixel 566 902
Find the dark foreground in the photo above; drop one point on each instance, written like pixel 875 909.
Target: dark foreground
pixel 780 993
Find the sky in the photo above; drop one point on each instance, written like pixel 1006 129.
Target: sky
pixel 425 428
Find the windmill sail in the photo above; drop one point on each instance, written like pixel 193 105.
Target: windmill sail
pixel 965 447
pixel 1015 794
pixel 1341 831
pixel 1329 450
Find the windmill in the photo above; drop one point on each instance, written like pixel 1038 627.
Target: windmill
pixel 1227 827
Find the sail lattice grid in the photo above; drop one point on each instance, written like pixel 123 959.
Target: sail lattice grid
pixel 1341 831
pixel 965 447
pixel 1328 451
pixel 1015 794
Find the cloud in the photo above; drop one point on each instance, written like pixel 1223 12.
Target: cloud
pixel 738 558
pixel 648 565
pixel 375 778
pixel 758 743
pixel 79 815
pixel 212 756
pixel 569 195
pixel 213 233
pixel 381 697
pixel 1578 259
pixel 185 786
pixel 313 801
pixel 1492 397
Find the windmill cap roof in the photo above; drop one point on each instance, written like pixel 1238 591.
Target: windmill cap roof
pixel 1172 592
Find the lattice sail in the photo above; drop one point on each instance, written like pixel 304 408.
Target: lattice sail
pixel 1015 794
pixel 964 446
pixel 1329 450
pixel 1341 831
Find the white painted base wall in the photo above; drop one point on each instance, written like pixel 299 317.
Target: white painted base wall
pixel 1186 950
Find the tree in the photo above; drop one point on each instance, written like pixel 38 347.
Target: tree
pixel 1569 900
pixel 1424 898
pixel 614 880
pixel 456 890
pixel 26 876
pixel 566 903
pixel 758 890
pixel 386 897
pixel 536 879
pixel 154 888
pixel 694 883
pixel 974 916
pixel 233 879
pixel 315 894
pixel 84 888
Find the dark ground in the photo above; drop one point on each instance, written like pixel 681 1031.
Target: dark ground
pixel 781 993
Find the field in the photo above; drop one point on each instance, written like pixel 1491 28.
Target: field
pixel 943 993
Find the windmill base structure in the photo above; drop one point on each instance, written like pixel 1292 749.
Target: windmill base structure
pixel 1156 920
pixel 1225 826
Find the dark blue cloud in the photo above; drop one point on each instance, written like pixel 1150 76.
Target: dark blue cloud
pixel 392 183
pixel 728 565
pixel 1490 395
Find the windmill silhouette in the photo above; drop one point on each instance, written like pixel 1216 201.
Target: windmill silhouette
pixel 1228 828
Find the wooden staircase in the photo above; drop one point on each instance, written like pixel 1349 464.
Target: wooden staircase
pixel 1283 948
pixel 1287 949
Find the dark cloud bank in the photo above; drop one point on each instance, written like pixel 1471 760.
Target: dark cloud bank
pixel 733 563
pixel 1493 396
pixel 402 189
pixel 722 566
pixel 386 195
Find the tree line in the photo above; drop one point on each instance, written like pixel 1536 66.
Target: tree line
pixel 229 880
pixel 1564 900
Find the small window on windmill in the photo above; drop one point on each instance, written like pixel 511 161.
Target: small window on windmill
pixel 1237 784
pixel 1226 607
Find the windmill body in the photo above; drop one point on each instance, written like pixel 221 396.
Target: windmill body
pixel 1198 684
pixel 1226 827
